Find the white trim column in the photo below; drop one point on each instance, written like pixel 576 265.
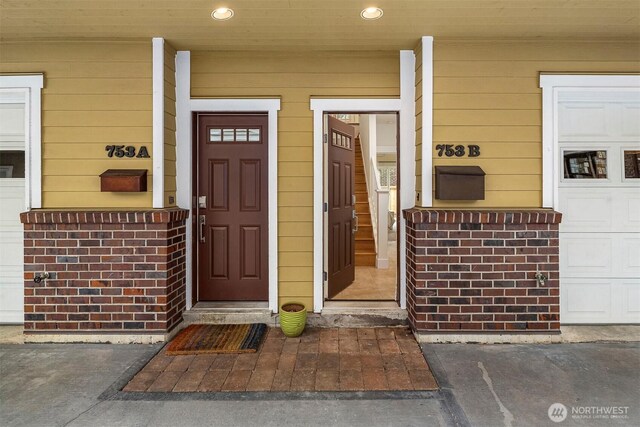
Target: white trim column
pixel 426 199
pixel 406 157
pixel 158 122
pixel 184 156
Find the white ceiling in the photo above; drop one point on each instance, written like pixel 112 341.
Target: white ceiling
pixel 321 25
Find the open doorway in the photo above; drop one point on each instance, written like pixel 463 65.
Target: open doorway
pixel 361 190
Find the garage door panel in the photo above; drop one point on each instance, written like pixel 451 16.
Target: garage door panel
pixel 585 210
pixel 631 301
pixel 630 124
pixel 11 250
pixel 10 298
pixel 582 120
pixel 12 191
pixel 600 301
pixel 629 259
pixel 586 300
pixel 583 255
pixel 627 208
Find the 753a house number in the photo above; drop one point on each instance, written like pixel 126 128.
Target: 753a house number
pixel 121 151
pixel 450 150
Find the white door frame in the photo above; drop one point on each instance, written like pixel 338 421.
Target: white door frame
pixel 185 106
pixel 31 85
pixel 405 107
pixel 552 85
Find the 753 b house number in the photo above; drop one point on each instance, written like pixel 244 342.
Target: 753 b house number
pixel 450 150
pixel 121 151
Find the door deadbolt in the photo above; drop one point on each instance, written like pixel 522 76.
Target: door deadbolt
pixel 202 202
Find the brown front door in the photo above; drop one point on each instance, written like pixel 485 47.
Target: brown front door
pixel 232 197
pixel 341 207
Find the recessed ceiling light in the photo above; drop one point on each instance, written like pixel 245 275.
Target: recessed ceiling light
pixel 222 14
pixel 371 13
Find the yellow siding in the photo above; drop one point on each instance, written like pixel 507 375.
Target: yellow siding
pixel 95 94
pixel 486 93
pixel 169 125
pixel 295 78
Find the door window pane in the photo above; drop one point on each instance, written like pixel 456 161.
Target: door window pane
pixel 228 135
pixel 241 135
pixel 585 164
pixel 254 135
pixel 631 164
pixel 215 135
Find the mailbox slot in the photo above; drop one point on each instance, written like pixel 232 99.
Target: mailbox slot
pixel 459 183
pixel 124 180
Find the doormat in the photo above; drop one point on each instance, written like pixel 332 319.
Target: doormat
pixel 207 339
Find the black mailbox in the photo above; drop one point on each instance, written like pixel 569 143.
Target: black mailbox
pixel 459 183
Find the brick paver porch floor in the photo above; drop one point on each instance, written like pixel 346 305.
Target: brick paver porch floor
pixel 321 359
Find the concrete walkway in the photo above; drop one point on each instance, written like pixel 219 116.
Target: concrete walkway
pixel 514 385
pixel 482 385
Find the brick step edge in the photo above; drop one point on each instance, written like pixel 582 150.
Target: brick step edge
pixel 519 216
pixel 104 216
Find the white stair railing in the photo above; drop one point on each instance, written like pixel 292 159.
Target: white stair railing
pixel 377 195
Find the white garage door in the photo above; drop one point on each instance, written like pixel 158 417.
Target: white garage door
pixel 12 202
pixel 599 197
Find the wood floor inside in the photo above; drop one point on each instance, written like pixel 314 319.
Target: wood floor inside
pixel 373 284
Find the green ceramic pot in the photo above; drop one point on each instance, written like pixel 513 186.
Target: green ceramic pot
pixel 293 317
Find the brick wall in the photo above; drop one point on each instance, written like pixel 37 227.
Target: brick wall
pixel 475 270
pixel 111 271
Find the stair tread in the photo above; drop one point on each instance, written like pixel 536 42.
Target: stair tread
pixel 365 243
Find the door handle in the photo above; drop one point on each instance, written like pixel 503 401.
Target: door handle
pixel 202 220
pixel 356 222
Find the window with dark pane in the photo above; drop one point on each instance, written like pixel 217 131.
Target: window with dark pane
pixel 585 164
pixel 631 164
pixel 11 164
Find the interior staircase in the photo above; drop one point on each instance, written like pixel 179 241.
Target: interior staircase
pixel 365 245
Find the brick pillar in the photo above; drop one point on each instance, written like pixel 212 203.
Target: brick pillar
pixel 475 270
pixel 117 271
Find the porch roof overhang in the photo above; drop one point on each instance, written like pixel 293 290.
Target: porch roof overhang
pixel 326 25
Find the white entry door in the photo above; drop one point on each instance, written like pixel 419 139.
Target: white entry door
pixel 599 197
pixel 12 202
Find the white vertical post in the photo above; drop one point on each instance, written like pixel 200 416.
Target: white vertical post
pixel 427 120
pixel 382 252
pixel 34 144
pixel 407 157
pixel 184 155
pixel 158 122
pixel 318 238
